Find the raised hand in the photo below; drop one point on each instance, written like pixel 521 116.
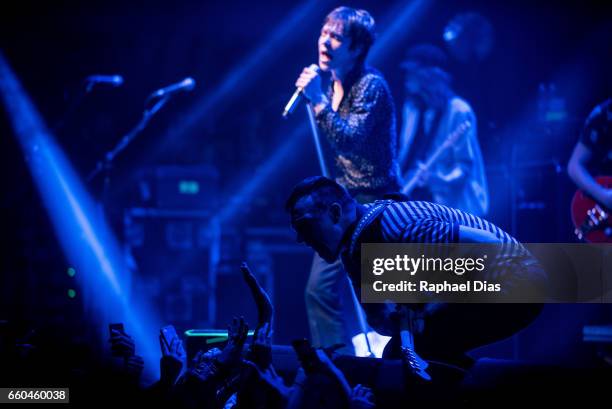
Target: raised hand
pixel 237 333
pixel 362 398
pixel 122 344
pixel 332 370
pixel 263 335
pixel 270 377
pixel 260 352
pixel 134 366
pixel 204 364
pixel 173 360
pixel 202 357
pixel 265 309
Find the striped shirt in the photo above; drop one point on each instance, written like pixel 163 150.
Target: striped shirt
pixel 424 222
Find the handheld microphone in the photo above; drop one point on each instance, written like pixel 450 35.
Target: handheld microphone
pixel 297 96
pixel 114 80
pixel 187 84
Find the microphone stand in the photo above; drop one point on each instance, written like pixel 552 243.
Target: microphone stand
pixel 324 172
pixel 317 141
pixel 105 164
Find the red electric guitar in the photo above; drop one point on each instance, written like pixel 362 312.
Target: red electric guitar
pixel 593 221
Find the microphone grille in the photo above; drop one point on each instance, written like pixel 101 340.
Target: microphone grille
pixel 188 83
pixel 117 80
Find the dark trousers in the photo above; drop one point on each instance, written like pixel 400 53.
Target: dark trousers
pixel 453 330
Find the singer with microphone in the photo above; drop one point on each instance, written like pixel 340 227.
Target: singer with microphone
pixel 356 121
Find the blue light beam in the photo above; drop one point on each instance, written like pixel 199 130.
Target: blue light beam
pixel 242 74
pixel 403 17
pixel 84 235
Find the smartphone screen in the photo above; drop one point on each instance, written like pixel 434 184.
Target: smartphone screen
pixel 168 333
pixel 116 327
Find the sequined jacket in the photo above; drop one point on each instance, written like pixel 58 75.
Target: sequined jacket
pixel 361 134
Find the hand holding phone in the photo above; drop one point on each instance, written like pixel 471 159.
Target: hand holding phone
pixel 168 335
pixel 306 355
pixel 122 345
pixel 174 358
pixel 118 327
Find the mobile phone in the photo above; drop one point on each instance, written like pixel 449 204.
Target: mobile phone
pixel 117 327
pixel 306 354
pixel 168 334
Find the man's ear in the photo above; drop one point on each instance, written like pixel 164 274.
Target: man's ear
pixel 335 210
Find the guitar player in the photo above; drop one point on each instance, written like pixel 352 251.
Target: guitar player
pixel 431 112
pixel 592 155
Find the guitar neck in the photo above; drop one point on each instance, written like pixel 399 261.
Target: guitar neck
pixel 448 142
pixel 409 187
